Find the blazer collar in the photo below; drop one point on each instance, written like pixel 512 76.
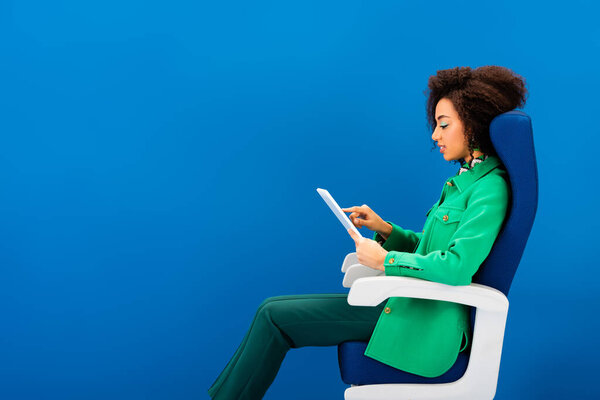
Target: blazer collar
pixel 467 178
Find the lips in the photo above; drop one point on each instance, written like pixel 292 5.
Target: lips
pixel 442 148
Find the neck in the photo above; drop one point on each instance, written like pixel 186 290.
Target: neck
pixel 476 154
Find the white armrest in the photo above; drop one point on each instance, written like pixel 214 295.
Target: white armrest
pixel 356 271
pixel 371 291
pixel 349 260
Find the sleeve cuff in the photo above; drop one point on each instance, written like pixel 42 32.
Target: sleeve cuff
pixel 387 244
pixel 379 239
pixel 390 264
pixel 394 266
pixel 399 239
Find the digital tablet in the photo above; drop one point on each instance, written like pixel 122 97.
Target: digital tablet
pixel 337 211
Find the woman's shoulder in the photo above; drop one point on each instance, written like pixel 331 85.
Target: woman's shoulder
pixel 495 180
pixel 496 174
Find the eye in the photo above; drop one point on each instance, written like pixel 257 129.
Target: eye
pixel 444 124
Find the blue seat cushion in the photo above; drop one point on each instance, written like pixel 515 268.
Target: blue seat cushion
pixel 358 369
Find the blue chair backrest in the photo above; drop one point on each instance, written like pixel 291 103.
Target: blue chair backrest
pixel 512 137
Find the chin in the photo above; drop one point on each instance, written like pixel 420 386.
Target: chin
pixel 449 157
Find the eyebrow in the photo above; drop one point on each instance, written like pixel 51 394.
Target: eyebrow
pixel 443 116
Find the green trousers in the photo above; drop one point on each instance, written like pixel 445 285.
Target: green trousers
pixel 285 322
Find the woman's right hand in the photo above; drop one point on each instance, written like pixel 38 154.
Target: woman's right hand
pixel 364 216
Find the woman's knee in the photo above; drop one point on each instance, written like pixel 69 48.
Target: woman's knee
pixel 277 310
pixel 269 302
pixel 275 301
pixel 264 308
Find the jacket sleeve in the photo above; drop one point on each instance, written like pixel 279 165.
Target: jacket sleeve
pixel 399 239
pixel 468 247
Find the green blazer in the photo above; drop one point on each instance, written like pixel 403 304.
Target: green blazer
pixel 424 336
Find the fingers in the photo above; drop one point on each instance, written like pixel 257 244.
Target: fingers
pixel 360 215
pixel 355 220
pixel 354 209
pixel 362 208
pixel 360 218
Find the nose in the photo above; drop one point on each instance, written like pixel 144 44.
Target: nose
pixel 435 135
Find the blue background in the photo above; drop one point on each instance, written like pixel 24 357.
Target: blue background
pixel 158 166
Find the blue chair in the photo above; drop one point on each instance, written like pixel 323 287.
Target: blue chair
pixel 475 373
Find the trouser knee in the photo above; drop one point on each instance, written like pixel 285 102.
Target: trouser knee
pixel 272 305
pixel 268 305
pixel 270 312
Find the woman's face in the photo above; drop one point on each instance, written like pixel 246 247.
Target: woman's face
pixel 449 132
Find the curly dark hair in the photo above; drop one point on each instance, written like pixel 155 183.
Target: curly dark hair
pixel 478 95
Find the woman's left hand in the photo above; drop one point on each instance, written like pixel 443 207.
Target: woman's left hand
pixel 369 252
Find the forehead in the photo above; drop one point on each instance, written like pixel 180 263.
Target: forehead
pixel 445 107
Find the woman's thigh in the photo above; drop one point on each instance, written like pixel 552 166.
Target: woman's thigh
pixel 320 319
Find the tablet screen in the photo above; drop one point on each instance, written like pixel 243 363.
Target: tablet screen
pixel 341 216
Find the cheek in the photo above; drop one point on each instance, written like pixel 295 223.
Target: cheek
pixel 457 140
